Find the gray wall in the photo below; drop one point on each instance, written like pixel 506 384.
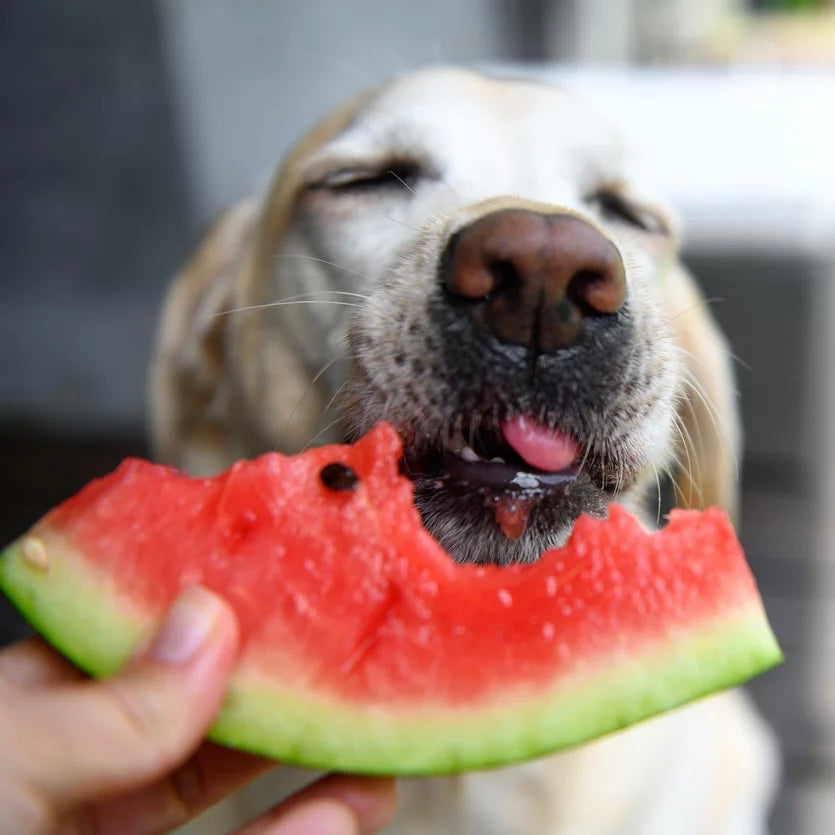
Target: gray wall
pixel 93 211
pixel 248 77
pixel 126 126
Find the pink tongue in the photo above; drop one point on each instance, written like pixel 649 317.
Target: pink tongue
pixel 543 448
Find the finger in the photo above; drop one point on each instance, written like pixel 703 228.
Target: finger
pixel 334 805
pixel 211 774
pixel 33 663
pixel 98 738
pixel 315 817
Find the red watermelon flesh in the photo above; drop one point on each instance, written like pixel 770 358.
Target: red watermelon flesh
pixel 365 647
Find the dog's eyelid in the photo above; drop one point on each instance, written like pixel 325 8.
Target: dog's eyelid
pixel 394 173
pixel 612 202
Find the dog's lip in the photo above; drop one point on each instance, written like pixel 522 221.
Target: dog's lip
pixel 488 464
pixel 510 490
pixel 493 468
pixel 463 470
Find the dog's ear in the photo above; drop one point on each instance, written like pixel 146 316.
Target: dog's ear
pixel 709 448
pixel 224 383
pixel 189 388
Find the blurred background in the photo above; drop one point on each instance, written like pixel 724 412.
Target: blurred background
pixel 125 126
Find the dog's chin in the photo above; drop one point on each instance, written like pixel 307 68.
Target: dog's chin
pixel 466 525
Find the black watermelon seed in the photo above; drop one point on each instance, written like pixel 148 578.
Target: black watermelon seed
pixel 338 476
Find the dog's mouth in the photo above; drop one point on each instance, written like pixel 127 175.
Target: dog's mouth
pixel 512 465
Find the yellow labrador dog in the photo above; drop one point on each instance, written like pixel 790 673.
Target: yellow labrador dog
pixel 476 261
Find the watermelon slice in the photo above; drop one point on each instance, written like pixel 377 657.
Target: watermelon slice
pixel 365 647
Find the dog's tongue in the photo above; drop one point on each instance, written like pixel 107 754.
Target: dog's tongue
pixel 546 449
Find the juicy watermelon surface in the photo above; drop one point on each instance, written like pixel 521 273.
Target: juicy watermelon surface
pixel 364 646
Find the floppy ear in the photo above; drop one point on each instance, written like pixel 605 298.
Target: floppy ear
pixel 230 386
pixel 190 391
pixel 710 446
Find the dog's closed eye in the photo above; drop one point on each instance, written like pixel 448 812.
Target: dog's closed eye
pixel 394 174
pixel 615 207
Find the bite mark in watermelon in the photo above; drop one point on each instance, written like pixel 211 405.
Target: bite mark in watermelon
pixel 365 648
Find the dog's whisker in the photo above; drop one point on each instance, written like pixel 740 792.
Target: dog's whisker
pixel 387 407
pixel 683 466
pixel 319 434
pixel 310 293
pixel 658 491
pixel 697 305
pixel 304 257
pixel 680 498
pixel 620 477
pixel 309 388
pixel 690 380
pixel 689 449
pixel 399 222
pixel 401 181
pixel 693 482
pixel 337 302
pixel 336 394
pixel 587 446
pixel 251 307
pixel 721 430
pixel 697 443
pixel 727 351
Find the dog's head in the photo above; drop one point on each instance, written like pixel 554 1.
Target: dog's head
pixel 473 260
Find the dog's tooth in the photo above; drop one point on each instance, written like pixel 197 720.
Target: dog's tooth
pixel 497 460
pixel 468 454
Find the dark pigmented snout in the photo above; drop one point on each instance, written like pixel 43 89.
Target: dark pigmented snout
pixel 531 278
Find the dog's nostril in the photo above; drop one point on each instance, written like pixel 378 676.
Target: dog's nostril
pixel 471 276
pixel 597 293
pixel 532 278
pixel 506 278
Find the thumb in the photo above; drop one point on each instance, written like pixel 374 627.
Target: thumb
pixel 86 741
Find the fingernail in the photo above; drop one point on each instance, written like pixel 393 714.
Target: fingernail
pixel 373 800
pixel 323 817
pixel 187 627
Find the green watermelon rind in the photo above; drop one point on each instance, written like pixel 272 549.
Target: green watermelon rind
pixel 99 630
pixel 446 741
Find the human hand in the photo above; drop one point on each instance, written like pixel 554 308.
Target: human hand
pixel 123 755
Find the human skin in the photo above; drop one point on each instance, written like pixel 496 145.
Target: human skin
pixel 125 755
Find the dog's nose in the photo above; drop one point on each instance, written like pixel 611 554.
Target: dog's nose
pixel 531 278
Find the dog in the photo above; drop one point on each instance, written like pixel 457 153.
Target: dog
pixel 479 261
